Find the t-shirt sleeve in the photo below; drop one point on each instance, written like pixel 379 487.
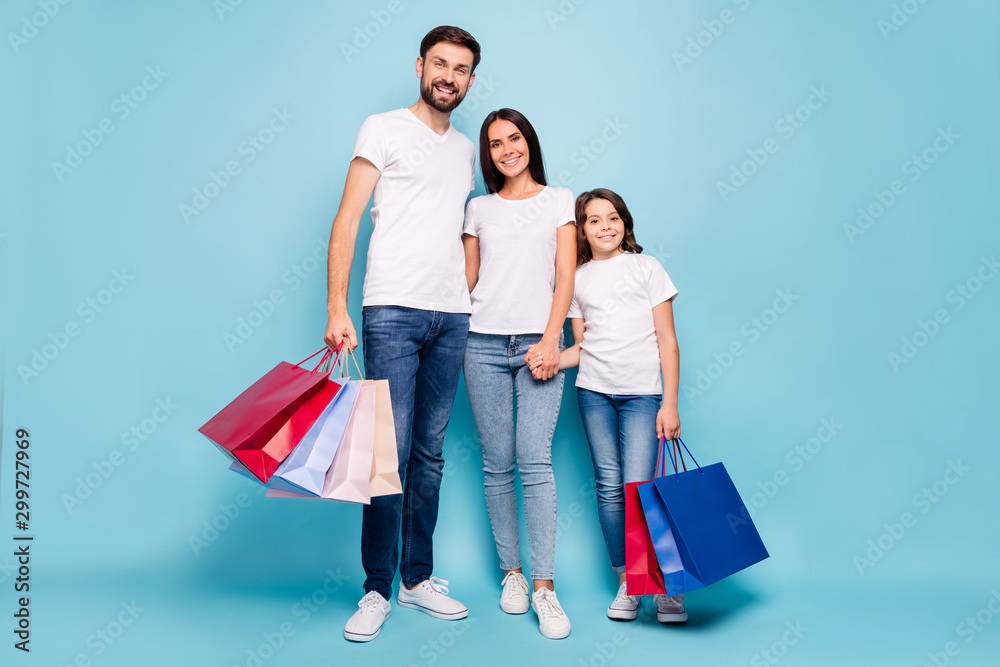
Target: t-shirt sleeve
pixel 371 143
pixel 574 307
pixel 565 208
pixel 469 226
pixel 658 285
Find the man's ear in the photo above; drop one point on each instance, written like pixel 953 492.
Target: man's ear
pixel 419 66
pixel 472 78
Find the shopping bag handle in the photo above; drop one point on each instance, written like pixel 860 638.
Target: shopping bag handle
pixel 675 453
pixel 350 353
pixel 325 358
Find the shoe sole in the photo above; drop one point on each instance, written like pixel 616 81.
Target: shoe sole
pixel 622 614
pixel 554 636
pixel 672 618
pixel 356 637
pixel 515 610
pixel 455 616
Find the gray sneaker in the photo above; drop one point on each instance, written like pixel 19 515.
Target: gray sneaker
pixel 625 607
pixel 670 609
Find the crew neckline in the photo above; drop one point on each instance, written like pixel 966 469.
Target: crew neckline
pixel 540 192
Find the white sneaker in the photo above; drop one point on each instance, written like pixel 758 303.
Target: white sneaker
pixel 366 622
pixel 431 597
pixel 552 620
pixel 625 607
pixel 514 599
pixel 670 609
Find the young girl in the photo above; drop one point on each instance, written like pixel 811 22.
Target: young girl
pixel 623 330
pixel 520 250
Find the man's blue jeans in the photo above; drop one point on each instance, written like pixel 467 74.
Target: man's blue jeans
pixel 420 353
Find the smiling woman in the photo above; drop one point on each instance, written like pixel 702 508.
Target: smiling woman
pixel 520 249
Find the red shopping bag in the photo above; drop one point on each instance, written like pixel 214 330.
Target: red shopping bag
pixel 642 572
pixel 255 428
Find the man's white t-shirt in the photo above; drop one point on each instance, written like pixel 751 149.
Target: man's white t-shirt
pixel 615 297
pixel 517 259
pixel 416 258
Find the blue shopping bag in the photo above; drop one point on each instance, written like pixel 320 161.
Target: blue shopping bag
pixel 676 579
pixel 305 468
pixel 703 545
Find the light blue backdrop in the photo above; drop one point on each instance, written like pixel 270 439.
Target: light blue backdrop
pixel 817 178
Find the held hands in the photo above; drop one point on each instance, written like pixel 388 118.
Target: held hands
pixel 543 359
pixel 338 328
pixel 668 423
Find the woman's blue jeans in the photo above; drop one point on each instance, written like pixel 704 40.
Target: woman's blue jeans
pixel 496 377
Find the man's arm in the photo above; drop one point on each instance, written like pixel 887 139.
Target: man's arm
pixel 361 178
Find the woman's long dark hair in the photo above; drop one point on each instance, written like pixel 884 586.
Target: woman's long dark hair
pixel 492 177
pixel 583 252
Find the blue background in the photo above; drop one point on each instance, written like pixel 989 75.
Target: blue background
pixel 672 131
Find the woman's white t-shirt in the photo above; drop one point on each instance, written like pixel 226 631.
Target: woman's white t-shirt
pixel 517 259
pixel 615 297
pixel 415 257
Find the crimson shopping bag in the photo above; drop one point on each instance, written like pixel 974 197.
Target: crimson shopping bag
pixel 255 427
pixel 698 545
pixel 642 573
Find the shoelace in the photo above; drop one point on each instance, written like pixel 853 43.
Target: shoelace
pixel 675 599
pixel 623 596
pixel 370 602
pixel 439 585
pixel 518 581
pixel 547 604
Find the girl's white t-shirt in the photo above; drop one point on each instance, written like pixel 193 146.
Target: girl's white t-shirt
pixel 415 257
pixel 517 259
pixel 615 297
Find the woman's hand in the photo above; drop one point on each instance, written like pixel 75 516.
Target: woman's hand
pixel 543 359
pixel 668 423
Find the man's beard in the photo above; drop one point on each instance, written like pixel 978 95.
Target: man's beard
pixel 427 95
